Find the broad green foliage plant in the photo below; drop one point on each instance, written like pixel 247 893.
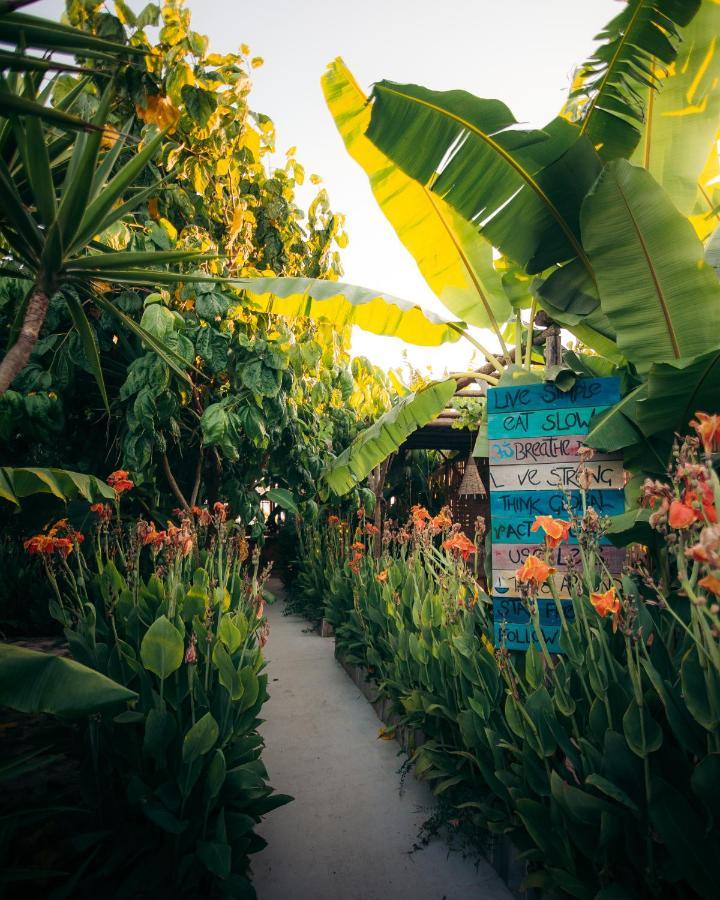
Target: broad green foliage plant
pixel 600 764
pixel 175 615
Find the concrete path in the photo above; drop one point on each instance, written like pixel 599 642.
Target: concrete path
pixel 347 834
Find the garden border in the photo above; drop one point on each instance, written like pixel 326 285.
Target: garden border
pixel 504 856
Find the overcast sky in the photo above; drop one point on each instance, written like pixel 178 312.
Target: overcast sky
pixel 520 51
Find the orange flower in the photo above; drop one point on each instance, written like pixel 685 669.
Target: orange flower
pixel 155 538
pixel 440 521
pixel 708 430
pixel 41 544
pixel 382 576
pixel 556 530
pixel 703 506
pixel 460 545
pixel 607 604
pixel 534 570
pixel 681 516
pixel 419 513
pixel 358 547
pixel 354 563
pixel 361 513
pixel 221 510
pixel 120 481
pixel 710 583
pixel 333 520
pixel 371 529
pixel 102 510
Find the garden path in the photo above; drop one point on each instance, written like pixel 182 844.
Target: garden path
pixel 347 834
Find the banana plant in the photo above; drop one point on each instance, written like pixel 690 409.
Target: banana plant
pixel 383 437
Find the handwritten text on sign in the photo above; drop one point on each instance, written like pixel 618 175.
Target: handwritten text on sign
pixel 535 435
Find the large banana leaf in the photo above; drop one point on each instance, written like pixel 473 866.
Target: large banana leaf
pixel 16 483
pixel 345 304
pixel 454 259
pixel 35 682
pixel 655 287
pixel 635 46
pixel 22 30
pixel 385 435
pixel 521 189
pixel 679 136
pixel 677 390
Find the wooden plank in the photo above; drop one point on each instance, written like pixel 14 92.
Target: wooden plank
pixel 505 584
pixel 512 529
pixel 549 449
pixel 606 475
pixel 512 628
pixel 585 392
pixel 524 504
pixel 540 423
pixel 512 556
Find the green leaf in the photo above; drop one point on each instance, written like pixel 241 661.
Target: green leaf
pixel 227 673
pixel 642 732
pixel 200 739
pixel 512 181
pixel 635 46
pixel 215 857
pixel 199 103
pixel 35 682
pixel 162 648
pixel 283 498
pixel 611 790
pixel 655 287
pixel 388 433
pixel 676 390
pixel 89 342
pixel 16 483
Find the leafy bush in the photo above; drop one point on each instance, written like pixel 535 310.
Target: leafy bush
pixel 601 764
pixel 174 784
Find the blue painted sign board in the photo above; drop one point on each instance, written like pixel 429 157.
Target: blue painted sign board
pixel 538 426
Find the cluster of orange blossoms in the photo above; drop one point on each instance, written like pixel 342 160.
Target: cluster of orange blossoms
pixel 694 506
pixel 61 539
pixel 120 481
pixel 102 510
pixel 460 545
pixel 535 571
pixel 372 529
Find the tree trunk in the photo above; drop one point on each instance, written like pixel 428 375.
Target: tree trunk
pixel 18 355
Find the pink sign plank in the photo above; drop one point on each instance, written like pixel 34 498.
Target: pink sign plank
pixel 511 556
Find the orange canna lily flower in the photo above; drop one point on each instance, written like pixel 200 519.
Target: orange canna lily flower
pixel 707 428
pixel 120 481
pixel 710 583
pixel 556 530
pixel 358 547
pixel 681 515
pixel 460 545
pixel 382 576
pixel 333 520
pixel 535 570
pixel 372 529
pixel 606 604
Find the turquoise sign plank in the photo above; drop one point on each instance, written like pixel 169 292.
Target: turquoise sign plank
pixel 541 423
pixel 526 504
pixel 585 392
pixel 513 529
pixel 514 630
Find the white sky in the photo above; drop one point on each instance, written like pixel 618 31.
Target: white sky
pixel 520 51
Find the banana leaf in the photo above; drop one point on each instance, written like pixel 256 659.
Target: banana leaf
pixel 17 483
pixel 20 29
pixel 677 390
pixel 661 297
pixel 453 258
pixel 521 189
pixel 386 435
pixel 678 145
pixel 33 682
pixel 635 47
pixel 345 304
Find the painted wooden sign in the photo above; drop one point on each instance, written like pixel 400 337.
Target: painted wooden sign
pixel 535 435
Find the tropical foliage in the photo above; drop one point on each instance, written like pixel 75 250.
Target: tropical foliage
pixel 597 763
